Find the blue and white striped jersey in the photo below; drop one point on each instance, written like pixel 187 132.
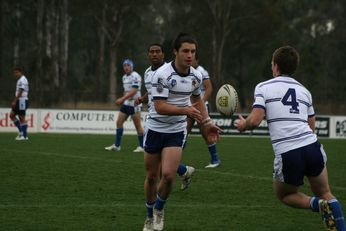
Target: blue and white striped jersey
pixel 287 105
pixel 148 75
pixel 205 76
pixel 176 89
pixel 130 81
pixel 22 83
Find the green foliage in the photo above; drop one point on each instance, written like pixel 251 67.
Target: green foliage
pixel 256 28
pixel 69 182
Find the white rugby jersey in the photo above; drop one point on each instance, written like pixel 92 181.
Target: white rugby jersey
pixel 176 89
pixel 205 76
pixel 130 81
pixel 22 83
pixel 287 104
pixel 148 74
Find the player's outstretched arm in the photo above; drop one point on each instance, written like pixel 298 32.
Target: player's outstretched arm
pixel 252 121
pixel 164 108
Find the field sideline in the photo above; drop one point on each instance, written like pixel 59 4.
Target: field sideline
pixel 69 182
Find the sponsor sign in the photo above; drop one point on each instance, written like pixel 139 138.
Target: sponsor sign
pixel 82 121
pixel 6 124
pixel 338 128
pixel 104 122
pixel 322 126
pixel 227 124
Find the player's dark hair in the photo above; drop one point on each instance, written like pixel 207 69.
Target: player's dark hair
pixel 18 68
pixel 287 59
pixel 155 44
pixel 183 38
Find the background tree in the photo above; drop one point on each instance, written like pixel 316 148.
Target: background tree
pixel 72 50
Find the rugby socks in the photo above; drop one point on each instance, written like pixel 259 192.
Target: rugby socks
pixel 24 129
pixel 338 214
pixel 17 123
pixel 140 140
pixel 213 153
pixel 159 203
pixel 314 205
pixel 118 135
pixel 181 169
pixel 150 208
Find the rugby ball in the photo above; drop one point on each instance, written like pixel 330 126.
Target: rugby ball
pixel 226 100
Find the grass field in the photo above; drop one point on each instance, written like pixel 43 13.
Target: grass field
pixel 69 182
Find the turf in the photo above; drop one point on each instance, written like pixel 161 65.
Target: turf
pixel 69 182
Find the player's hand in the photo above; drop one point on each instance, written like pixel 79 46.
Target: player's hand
pixel 240 123
pixel 119 101
pixel 138 100
pixel 194 113
pixel 212 132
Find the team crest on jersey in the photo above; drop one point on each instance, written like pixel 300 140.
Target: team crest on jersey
pixel 194 82
pixel 159 87
pixel 173 82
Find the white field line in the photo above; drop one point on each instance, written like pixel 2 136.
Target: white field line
pixel 124 205
pixel 66 156
pixel 211 171
pixel 339 188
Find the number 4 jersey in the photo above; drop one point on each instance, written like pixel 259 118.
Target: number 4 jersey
pixel 287 105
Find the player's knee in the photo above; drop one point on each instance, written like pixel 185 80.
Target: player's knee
pixel 151 179
pixel 168 178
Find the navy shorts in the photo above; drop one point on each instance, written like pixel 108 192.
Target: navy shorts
pixel 154 141
pixel 291 167
pixel 21 106
pixel 129 110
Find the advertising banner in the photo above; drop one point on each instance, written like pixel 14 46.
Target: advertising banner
pixel 104 122
pixel 6 124
pixel 82 121
pixel 227 124
pixel 338 127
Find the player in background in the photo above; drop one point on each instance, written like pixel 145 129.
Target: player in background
pixel 132 89
pixel 156 57
pixel 287 106
pixel 20 104
pixel 206 90
pixel 165 132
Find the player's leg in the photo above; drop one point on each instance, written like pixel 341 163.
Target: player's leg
pixel 136 117
pixel 170 159
pixel 13 116
pixel 184 171
pixel 329 207
pixel 24 125
pixel 122 117
pixel 289 195
pixel 152 167
pixel 214 156
pixel 317 173
pixel 23 105
pixel 152 160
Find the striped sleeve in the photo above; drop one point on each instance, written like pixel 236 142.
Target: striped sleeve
pixel 259 98
pixel 311 111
